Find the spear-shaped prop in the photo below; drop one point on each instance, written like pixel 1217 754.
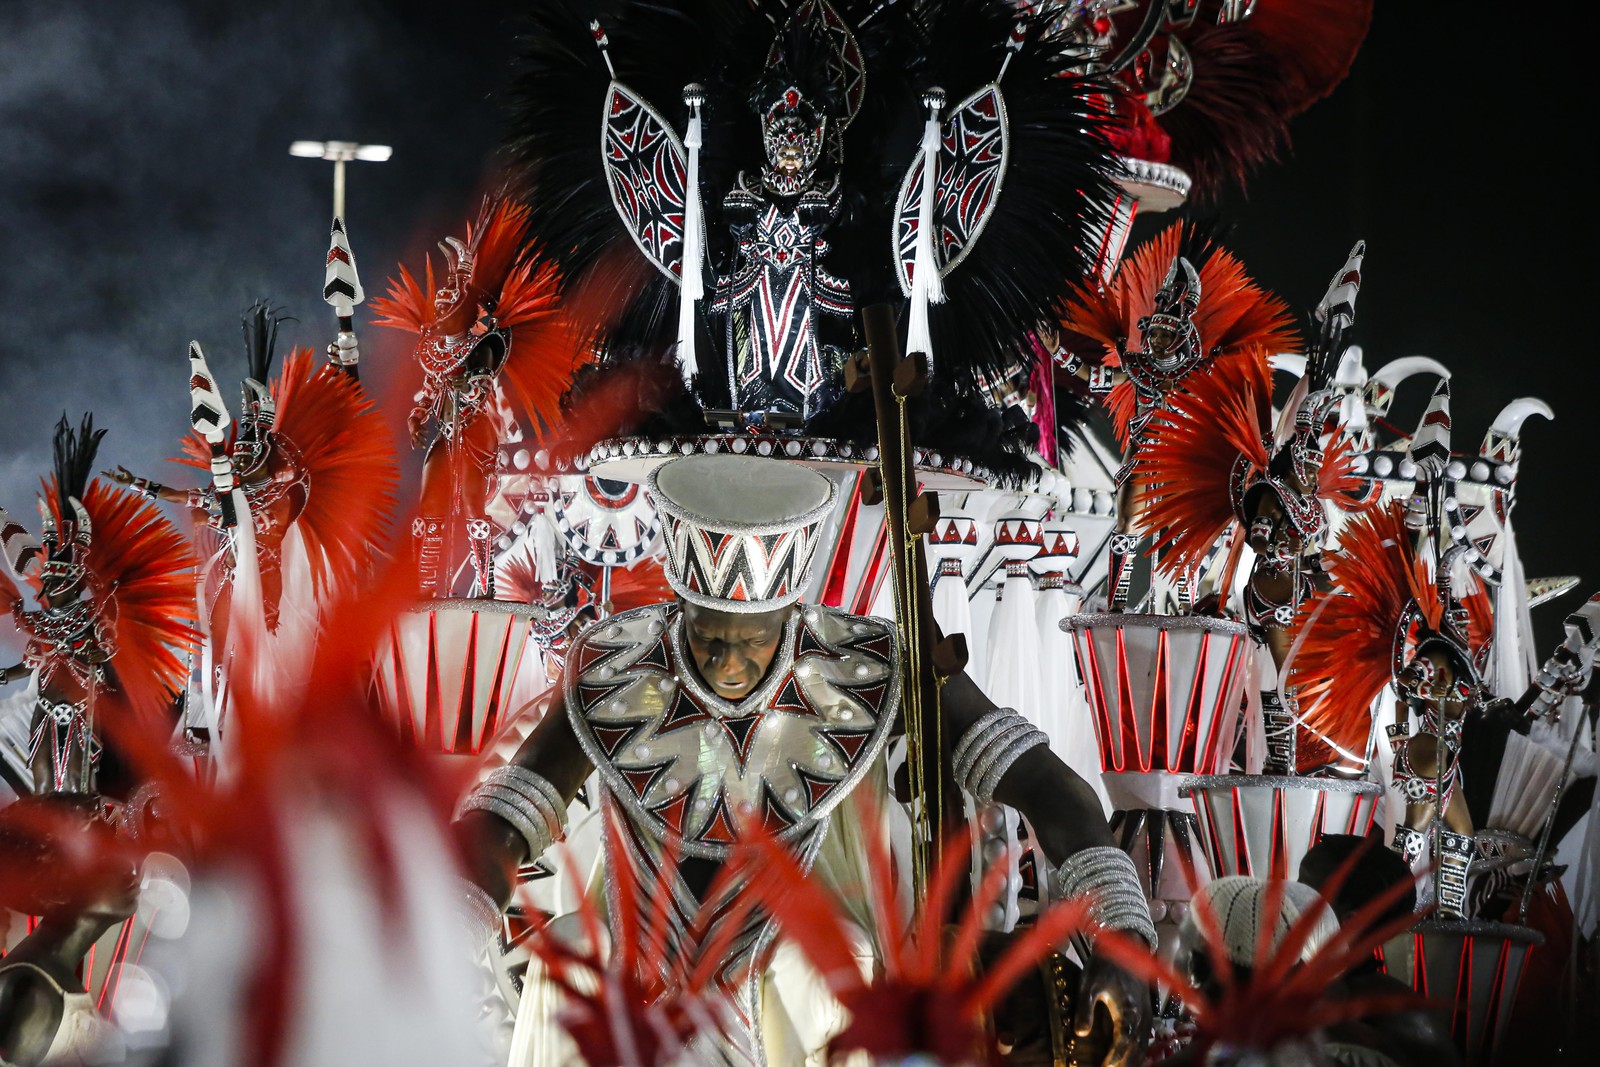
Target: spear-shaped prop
pixel 209 415
pixel 341 288
pixel 908 515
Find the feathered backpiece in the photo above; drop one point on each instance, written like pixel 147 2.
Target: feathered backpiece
pixel 347 455
pixel 1355 639
pixel 1245 80
pixel 1236 318
pixel 1214 449
pixel 493 273
pixel 140 571
pixel 1200 455
pixel 1045 220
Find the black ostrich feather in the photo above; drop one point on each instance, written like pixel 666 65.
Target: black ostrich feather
pixel 75 452
pixel 259 323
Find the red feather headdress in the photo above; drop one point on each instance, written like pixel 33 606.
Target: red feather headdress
pixel 1215 442
pixel 522 292
pixel 1236 317
pixel 141 572
pixel 1352 639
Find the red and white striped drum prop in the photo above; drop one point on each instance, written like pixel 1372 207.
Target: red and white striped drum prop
pixel 1164 691
pixel 454 672
pixel 1262 825
pixel 1472 966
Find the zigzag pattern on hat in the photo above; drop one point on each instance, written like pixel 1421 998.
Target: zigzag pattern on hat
pixel 737 567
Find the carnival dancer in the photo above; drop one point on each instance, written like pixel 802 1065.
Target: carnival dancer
pixel 1216 459
pixel 947 158
pixel 1191 321
pixel 313 460
pixel 737 706
pixel 111 578
pixel 491 346
pixel 1395 617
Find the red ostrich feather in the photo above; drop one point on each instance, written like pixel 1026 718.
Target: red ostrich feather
pixel 1282 999
pixel 1236 316
pixel 1251 77
pixel 326 751
pixel 142 578
pixel 345 447
pixel 643 1003
pixel 1346 636
pixel 1188 460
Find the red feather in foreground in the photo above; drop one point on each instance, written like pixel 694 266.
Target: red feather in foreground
pixel 142 577
pixel 1283 999
pixel 323 758
pixel 930 998
pixel 642 1004
pixel 1236 317
pixel 1348 637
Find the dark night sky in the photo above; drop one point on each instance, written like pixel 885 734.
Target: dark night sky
pixel 146 195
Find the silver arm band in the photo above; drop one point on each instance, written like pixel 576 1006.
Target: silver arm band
pixel 479 914
pixel 533 807
pixel 988 748
pixel 1107 877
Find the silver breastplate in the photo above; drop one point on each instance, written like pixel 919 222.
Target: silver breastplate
pixel 684 762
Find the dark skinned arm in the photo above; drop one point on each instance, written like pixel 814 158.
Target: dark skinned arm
pixel 30 1013
pixel 491 848
pixel 1063 809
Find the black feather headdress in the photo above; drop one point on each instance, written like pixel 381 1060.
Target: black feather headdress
pixel 259 324
pixel 75 452
pixel 1040 237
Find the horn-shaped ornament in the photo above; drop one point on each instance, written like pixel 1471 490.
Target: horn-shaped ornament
pixel 84 533
pixel 21 548
pixel 1500 443
pixel 1385 381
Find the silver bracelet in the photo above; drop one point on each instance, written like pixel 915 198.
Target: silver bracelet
pixel 987 772
pixel 479 913
pixel 532 806
pixel 537 790
pixel 1107 877
pixel 988 748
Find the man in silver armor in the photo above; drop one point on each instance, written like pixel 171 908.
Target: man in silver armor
pixel 736 707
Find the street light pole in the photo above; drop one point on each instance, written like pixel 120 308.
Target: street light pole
pixel 339 153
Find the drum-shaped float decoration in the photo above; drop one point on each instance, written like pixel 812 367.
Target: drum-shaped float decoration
pixel 1262 825
pixel 454 672
pixel 1164 691
pixel 1471 965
